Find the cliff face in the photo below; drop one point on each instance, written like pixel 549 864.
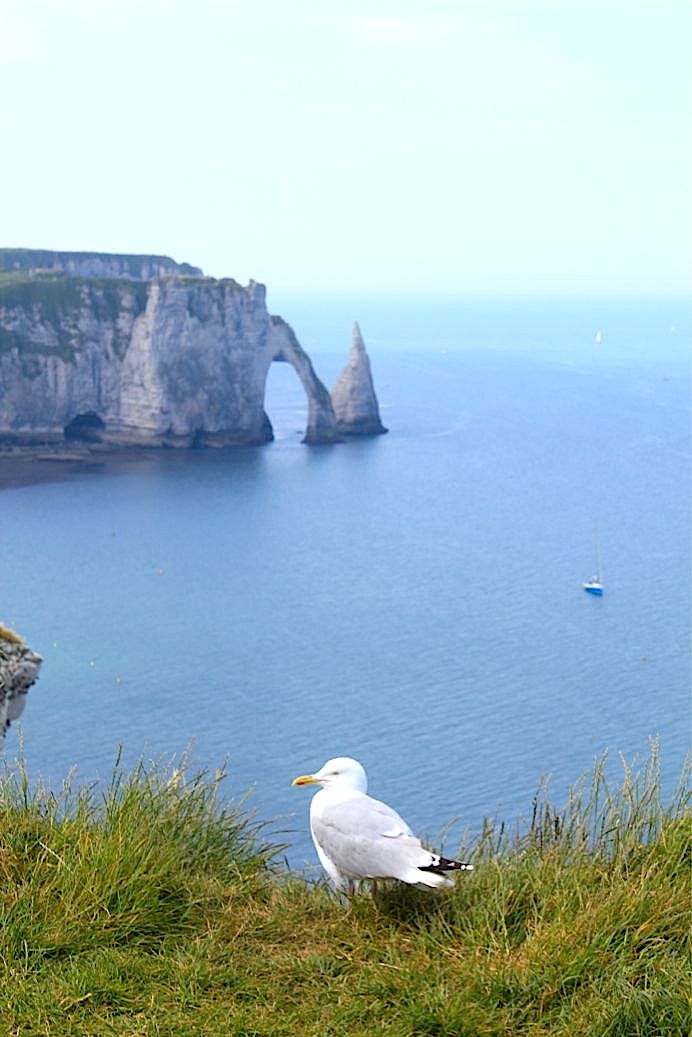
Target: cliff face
pixel 143 351
pixel 19 668
pixel 177 360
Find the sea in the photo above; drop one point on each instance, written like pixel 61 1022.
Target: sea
pixel 413 600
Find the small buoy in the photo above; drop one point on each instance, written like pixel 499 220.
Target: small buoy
pixel 118 680
pixel 92 663
pixel 55 644
pixel 160 572
pixel 644 658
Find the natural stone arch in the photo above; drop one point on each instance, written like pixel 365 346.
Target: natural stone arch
pixel 285 403
pixel 321 424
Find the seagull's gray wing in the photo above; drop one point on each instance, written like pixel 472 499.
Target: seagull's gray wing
pixel 365 838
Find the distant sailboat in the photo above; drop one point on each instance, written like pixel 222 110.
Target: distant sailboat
pixel 594 585
pixel 599 337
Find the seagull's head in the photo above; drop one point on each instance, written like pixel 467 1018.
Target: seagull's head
pixel 339 773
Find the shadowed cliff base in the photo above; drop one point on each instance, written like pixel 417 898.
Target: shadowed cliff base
pixel 62 462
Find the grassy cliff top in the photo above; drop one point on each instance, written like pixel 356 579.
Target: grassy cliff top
pixel 6 634
pixel 18 288
pixel 14 259
pixel 149 909
pixel 56 300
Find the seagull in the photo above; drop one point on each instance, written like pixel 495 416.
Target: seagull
pixel 358 837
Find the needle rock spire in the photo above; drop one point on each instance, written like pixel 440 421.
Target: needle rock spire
pixel 353 398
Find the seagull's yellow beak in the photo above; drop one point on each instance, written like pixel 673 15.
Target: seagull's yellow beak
pixel 305 779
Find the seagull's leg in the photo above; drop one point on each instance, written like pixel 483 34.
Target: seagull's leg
pixel 351 887
pixel 343 891
pixel 373 887
pixel 345 900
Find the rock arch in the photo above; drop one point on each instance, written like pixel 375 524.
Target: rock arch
pixel 321 426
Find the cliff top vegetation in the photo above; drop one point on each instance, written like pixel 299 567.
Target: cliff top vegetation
pixel 16 259
pixel 149 908
pixel 9 635
pixel 55 300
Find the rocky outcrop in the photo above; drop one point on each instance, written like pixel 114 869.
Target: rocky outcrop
pixel 355 404
pixel 19 668
pixel 129 359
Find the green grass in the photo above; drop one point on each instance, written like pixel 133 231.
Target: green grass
pixel 148 908
pixel 58 302
pixel 24 259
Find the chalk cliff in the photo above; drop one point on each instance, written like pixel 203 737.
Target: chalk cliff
pixel 19 668
pixel 355 403
pixel 139 350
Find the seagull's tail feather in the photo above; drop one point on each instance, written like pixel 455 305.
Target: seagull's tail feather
pixel 435 873
pixel 442 864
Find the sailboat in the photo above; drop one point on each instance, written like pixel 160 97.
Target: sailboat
pixel 594 585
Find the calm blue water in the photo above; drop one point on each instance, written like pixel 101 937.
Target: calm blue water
pixel 413 600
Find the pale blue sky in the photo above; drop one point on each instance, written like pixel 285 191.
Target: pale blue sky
pixel 422 146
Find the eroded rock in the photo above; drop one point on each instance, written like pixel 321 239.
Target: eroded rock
pixel 353 397
pixel 153 354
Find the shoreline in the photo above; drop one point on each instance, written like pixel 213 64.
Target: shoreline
pixel 30 465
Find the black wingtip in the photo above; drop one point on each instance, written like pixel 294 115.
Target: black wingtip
pixel 443 864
